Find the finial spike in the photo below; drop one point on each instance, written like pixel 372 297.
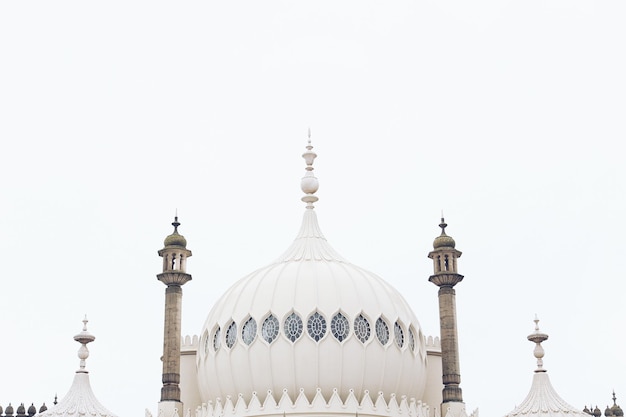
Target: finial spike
pixel 176 223
pixel 443 225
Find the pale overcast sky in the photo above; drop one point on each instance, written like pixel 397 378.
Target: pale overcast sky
pixel 508 115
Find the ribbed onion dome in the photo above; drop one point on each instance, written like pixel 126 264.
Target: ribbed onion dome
pixel 311 320
pixel 443 240
pixel 32 410
pixel 597 412
pixel 175 239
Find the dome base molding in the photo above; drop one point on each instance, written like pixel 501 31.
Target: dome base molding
pixel 268 407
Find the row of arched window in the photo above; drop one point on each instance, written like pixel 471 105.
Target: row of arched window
pixel 316 328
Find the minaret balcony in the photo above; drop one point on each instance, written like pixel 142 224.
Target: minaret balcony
pixel 446 279
pixel 175 278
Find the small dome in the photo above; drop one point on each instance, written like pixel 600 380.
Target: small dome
pixel 597 412
pixel 21 410
pixel 9 410
pixel 32 410
pixel 608 412
pixel 443 240
pixel 617 411
pixel 43 408
pixel 175 239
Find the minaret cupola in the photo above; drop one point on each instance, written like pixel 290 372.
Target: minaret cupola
pixel 444 254
pixel 174 254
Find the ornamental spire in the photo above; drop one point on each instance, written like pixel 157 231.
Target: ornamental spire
pixel 309 183
pixel 83 338
pixel 176 223
pixel 537 337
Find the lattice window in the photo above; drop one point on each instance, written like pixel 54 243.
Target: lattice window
pixel 248 333
pixel 399 334
pixel 340 327
pixel 411 340
pixel 270 328
pixel 293 327
pixel 217 339
pixel 207 343
pixel 316 326
pixel 382 331
pixel 362 328
pixel 231 335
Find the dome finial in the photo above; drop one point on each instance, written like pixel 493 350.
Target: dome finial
pixel 83 338
pixel 175 239
pixel 176 223
pixel 443 225
pixel 537 337
pixel 309 183
pixel 443 240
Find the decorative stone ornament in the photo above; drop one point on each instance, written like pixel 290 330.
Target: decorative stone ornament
pixel 543 400
pixel 80 399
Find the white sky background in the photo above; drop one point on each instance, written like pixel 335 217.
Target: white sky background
pixel 507 115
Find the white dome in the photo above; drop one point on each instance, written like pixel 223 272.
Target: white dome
pixel 253 342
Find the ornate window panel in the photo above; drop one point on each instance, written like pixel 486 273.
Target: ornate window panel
pixel 340 327
pixel 362 328
pixel 270 328
pixel 293 327
pixel 207 342
pixel 411 340
pixel 248 332
pixel 217 339
pixel 382 331
pixel 231 334
pixel 398 333
pixel 316 326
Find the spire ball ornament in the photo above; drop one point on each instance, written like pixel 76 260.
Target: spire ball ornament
pixel 537 337
pixel 309 184
pixel 83 338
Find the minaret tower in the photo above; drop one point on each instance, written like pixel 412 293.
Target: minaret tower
pixel 174 254
pixel 445 257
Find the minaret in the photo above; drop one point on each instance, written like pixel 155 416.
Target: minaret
pixel 174 254
pixel 446 277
